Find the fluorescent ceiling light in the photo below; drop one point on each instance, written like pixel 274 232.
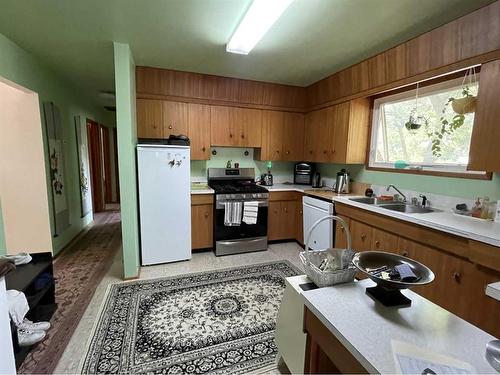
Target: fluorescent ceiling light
pixel 259 18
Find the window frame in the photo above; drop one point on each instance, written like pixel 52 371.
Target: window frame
pixel 433 85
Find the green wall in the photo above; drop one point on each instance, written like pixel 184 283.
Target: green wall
pixel 199 167
pixel 455 187
pixel 19 66
pixel 127 142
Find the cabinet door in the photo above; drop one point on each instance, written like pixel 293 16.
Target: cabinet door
pixel 299 219
pixel 293 136
pixel 483 154
pixel 288 219
pixel 175 118
pixel 222 132
pixel 249 124
pixel 272 135
pixel 384 241
pixel 361 236
pixel 274 226
pixel 340 132
pixel 202 226
pixel 340 237
pixel 199 131
pixel 317 135
pixel 149 118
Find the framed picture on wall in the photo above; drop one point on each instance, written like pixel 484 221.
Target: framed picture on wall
pixel 83 166
pixel 58 187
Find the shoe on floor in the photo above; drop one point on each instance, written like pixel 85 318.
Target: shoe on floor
pixel 28 325
pixel 28 338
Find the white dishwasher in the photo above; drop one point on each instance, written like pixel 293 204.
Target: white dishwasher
pixel 314 209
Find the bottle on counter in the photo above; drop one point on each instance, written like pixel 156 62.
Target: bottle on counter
pixel 477 209
pixel 497 215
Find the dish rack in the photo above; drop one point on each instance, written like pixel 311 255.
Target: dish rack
pixel 313 258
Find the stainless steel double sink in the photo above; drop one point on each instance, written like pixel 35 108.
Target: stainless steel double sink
pixel 394 205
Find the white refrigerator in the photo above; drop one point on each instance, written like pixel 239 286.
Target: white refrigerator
pixel 164 203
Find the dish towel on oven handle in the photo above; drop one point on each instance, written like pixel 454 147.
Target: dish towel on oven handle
pixel 250 212
pixel 232 213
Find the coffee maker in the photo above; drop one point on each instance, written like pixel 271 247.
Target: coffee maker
pixel 342 182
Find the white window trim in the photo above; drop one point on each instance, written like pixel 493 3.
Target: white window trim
pixel 417 167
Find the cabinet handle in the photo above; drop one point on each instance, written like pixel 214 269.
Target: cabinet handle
pixel 230 135
pixel 206 214
pixel 325 152
pixel 363 237
pixel 275 211
pixel 243 136
pixel 333 151
pixel 456 276
pixel 203 149
pixel 286 210
pixel 404 253
pixel 170 126
pixel 288 152
pixel 277 151
pixel 377 243
pixel 310 151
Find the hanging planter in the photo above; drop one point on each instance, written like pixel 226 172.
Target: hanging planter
pixel 467 103
pixel 461 106
pixel 415 121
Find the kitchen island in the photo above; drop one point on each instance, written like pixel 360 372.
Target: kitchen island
pixel 348 332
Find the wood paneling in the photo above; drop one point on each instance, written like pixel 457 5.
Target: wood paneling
pixel 210 89
pixel 483 154
pixel 471 39
pixel 293 137
pixel 199 131
pixel 149 118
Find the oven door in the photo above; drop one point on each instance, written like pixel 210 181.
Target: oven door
pixel 243 231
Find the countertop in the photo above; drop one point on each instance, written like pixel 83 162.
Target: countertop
pixel 369 330
pixel 443 220
pixel 493 290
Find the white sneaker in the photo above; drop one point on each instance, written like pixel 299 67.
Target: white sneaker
pixel 28 325
pixel 28 338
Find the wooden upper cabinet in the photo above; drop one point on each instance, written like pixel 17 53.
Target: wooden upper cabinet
pixel 317 134
pixel 149 118
pixel 272 135
pixel 199 131
pixel 338 133
pixel 175 118
pixel 232 126
pixel 483 154
pixel 293 137
pixel 282 136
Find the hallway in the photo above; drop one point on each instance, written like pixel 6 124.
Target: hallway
pixel 77 270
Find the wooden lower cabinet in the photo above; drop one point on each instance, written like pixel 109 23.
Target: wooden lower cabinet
pixel 340 237
pixel 285 216
pixel 459 284
pixel 202 227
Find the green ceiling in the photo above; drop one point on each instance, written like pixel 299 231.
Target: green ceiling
pixel 311 40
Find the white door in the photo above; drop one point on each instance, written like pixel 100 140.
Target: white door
pixel 165 203
pixel 315 209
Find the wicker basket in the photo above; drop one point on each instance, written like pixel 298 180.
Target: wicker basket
pixel 313 258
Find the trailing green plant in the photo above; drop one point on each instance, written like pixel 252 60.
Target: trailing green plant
pixel 448 126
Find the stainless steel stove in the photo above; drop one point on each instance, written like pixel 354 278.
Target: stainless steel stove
pixel 238 185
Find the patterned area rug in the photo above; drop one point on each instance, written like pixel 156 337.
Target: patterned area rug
pixel 212 322
pixel 77 271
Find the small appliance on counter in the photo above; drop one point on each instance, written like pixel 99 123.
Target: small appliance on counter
pixel 267 178
pixel 316 180
pixel 342 182
pixel 302 174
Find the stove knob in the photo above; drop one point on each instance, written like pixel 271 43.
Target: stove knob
pixel 232 196
pixel 255 195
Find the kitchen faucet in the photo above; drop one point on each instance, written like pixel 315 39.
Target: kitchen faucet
pixel 399 191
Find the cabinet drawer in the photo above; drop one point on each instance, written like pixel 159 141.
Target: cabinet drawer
pixel 284 196
pixel 197 199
